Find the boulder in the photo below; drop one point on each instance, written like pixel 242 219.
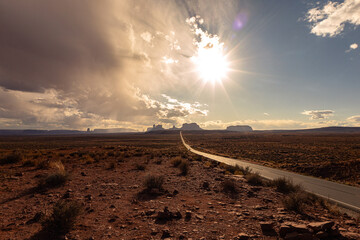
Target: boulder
pixel 321 226
pixel 290 227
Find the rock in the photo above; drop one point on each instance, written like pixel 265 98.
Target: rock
pixel 250 193
pixel 66 195
pixel 321 226
pixel 83 174
pixel 298 236
pixel 150 212
pixel 350 222
pixel 321 235
pixel 19 174
pixel 154 231
pixel 258 207
pixel 36 218
pixel 284 229
pixel 242 236
pixel 166 215
pixel 88 197
pixel 175 192
pixel 351 235
pixel 200 217
pixel 113 219
pixel 206 186
pixel 187 215
pixel 112 206
pixel 290 227
pixel 165 234
pixel 267 226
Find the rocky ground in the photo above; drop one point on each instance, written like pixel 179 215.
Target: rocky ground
pixel 107 178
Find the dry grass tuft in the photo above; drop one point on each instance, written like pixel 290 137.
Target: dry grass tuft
pixel 63 217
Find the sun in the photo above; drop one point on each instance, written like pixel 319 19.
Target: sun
pixel 210 61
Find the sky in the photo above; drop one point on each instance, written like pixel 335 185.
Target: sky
pixel 270 64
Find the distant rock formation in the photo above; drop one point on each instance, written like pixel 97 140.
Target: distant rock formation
pixel 155 128
pixel 190 127
pixel 114 130
pixel 239 128
pixel 174 128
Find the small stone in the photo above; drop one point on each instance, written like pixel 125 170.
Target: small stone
pixel 36 218
pixel 83 174
pixel 88 197
pixel 165 234
pixel 242 236
pixel 187 215
pixel 66 195
pixel 322 235
pixel 200 217
pixel 206 186
pixel 150 212
pixel 154 231
pixel 350 222
pixel 351 235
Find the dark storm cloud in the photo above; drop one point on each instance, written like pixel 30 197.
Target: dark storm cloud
pixel 76 63
pixel 52 44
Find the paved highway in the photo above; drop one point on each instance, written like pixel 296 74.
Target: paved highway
pixel 344 195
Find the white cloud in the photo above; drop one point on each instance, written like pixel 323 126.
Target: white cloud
pixel 266 114
pixel 147 37
pixel 318 114
pixel 352 47
pixel 354 119
pixel 330 19
pixel 169 60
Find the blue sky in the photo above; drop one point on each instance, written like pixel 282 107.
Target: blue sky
pixel 288 64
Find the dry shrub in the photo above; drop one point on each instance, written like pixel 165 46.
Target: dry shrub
pixel 58 165
pixel 29 163
pixel 255 179
pixel 140 167
pixel 184 167
pixel 176 161
pixel 296 201
pixel 43 164
pixel 54 180
pixel 154 182
pixel 63 217
pixel 229 187
pixel 14 157
pixel 284 185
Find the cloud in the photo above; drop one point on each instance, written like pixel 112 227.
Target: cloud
pixel 266 114
pixel 331 18
pixel 352 47
pixel 91 64
pixel 354 119
pixel 269 124
pixel 318 114
pixel 147 37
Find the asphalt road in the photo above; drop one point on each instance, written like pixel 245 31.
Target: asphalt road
pixel 344 195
